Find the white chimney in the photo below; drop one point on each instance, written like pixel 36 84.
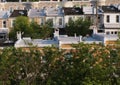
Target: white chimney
pixel 56 33
pixel 75 35
pixel 20 0
pixel 80 38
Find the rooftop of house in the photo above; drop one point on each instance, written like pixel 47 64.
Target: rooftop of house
pixel 72 11
pixel 3 14
pixel 89 10
pixel 36 12
pixel 64 39
pixel 54 11
pixel 110 9
pixel 27 42
pixel 17 13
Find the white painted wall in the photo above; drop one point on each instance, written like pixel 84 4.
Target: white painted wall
pixel 112 18
pixel 56 21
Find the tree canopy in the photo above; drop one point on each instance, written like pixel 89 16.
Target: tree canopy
pixel 79 26
pixel 85 65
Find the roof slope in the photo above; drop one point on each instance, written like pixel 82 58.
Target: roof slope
pixel 36 13
pixel 73 11
pixel 17 13
pixel 3 14
pixel 110 9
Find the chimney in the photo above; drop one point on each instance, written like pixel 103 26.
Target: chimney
pixel 80 38
pixel 75 35
pixel 20 0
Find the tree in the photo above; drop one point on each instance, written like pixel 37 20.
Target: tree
pixel 79 26
pixel 21 24
pixel 30 29
pixel 84 65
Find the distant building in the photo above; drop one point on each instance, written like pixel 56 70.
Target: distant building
pixel 37 15
pixel 4 30
pixel 109 24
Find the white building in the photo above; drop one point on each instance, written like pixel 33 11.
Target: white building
pixel 55 16
pixel 109 24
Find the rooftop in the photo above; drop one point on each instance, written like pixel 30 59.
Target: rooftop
pixel 110 9
pixel 17 13
pixel 3 14
pixel 36 12
pixel 54 11
pixel 72 11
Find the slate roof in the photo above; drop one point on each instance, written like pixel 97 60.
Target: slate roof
pixel 72 11
pixel 3 14
pixel 54 11
pixel 36 12
pixel 17 13
pixel 110 9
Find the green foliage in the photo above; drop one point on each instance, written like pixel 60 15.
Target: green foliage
pixel 85 65
pixel 79 26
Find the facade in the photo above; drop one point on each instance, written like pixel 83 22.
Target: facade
pixel 107 20
pixel 41 4
pixel 55 16
pixel 51 3
pixel 37 15
pixel 4 22
pixel 109 23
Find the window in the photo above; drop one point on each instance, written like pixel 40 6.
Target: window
pixel 60 21
pixel 42 21
pixel 4 24
pixel 70 18
pixel 11 9
pixel 115 32
pixel 117 18
pixel 2 36
pixel 112 33
pixel 107 33
pixel 12 23
pixel 108 18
